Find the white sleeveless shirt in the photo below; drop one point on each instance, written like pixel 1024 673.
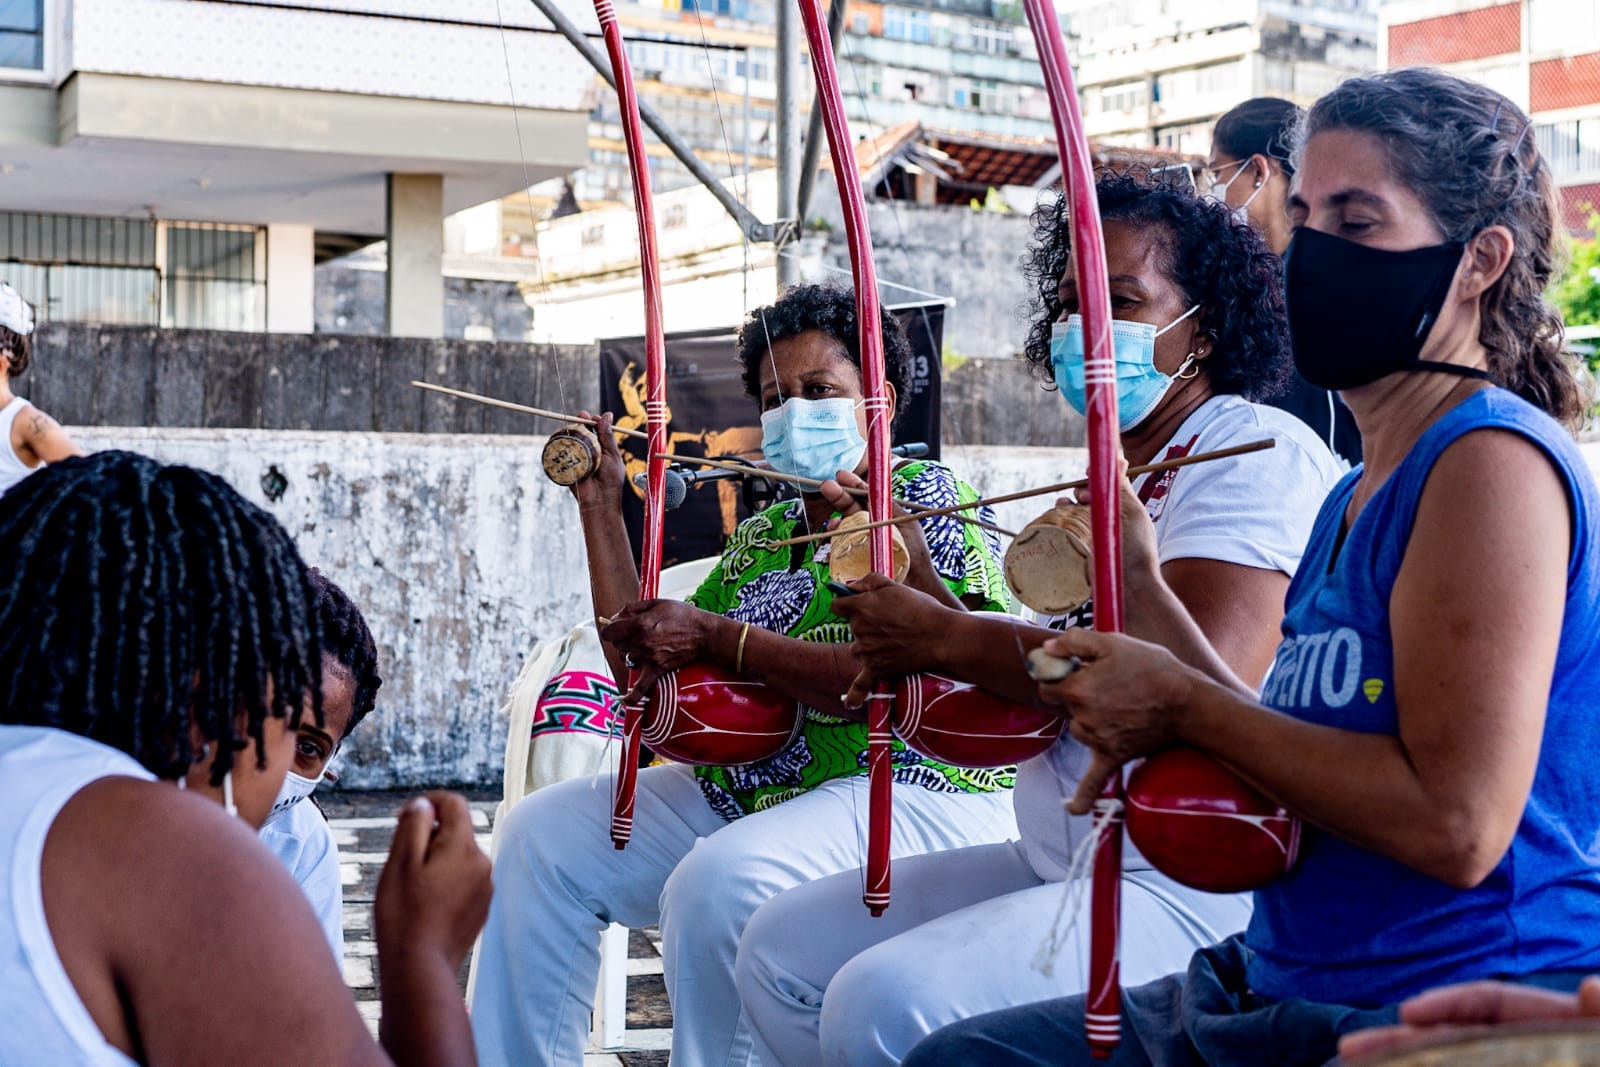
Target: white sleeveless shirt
pixel 45 1020
pixel 12 469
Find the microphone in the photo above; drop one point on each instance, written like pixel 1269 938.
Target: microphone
pixel 679 482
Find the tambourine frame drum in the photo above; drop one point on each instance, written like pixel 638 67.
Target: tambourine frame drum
pixel 1567 1043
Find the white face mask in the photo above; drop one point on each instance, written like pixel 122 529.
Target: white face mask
pixel 295 788
pixel 1219 193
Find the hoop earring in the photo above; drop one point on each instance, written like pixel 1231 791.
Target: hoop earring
pixel 1190 369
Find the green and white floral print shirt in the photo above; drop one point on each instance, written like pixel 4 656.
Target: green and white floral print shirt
pixel 783 590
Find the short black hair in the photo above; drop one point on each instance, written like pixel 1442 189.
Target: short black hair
pixel 832 310
pixel 1264 126
pixel 20 349
pixel 347 641
pixel 138 598
pixel 1218 263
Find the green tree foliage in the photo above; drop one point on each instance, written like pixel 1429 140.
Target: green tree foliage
pixel 1576 294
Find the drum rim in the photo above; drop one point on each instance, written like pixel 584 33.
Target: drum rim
pixel 1464 1039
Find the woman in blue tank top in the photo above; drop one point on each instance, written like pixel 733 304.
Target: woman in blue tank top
pixel 1431 714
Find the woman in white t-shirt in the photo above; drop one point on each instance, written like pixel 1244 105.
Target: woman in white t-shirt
pixel 28 437
pixel 1201 333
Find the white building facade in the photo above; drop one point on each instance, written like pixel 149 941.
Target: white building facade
pixel 1159 73
pixel 187 162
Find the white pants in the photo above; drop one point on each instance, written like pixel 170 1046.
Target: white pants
pixel 559 882
pixel 825 983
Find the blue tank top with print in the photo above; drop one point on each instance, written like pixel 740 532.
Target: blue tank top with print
pixel 1350 926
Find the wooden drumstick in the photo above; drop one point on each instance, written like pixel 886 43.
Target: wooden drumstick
pixel 525 409
pixel 917 510
pixel 1060 487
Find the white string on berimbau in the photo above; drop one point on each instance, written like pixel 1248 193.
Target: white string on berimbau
pixel 1075 887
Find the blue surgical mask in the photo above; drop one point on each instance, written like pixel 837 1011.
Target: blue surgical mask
pixel 1140 386
pixel 812 438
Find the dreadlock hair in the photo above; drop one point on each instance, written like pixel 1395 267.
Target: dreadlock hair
pixel 1470 156
pixel 1216 262
pixel 347 641
pixel 139 598
pixel 830 310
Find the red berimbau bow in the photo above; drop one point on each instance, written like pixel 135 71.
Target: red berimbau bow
pixel 1103 1013
pixel 655 405
pixel 845 172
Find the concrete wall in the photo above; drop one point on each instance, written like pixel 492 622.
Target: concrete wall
pixel 350 300
pixel 91 375
pixel 971 257
pixel 462 555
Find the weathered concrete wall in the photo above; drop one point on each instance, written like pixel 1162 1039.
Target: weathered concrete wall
pixel 462 555
pixel 973 257
pixel 1002 401
pixel 351 300
pixel 91 375
pixel 458 549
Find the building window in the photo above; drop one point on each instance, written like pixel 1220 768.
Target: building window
pixel 136 271
pixel 213 278
pixel 1571 148
pixel 22 34
pixel 902 25
pixel 1123 97
pixel 1566 26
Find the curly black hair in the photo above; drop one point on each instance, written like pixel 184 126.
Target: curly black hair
pixel 347 641
pixel 138 598
pixel 831 310
pixel 1222 265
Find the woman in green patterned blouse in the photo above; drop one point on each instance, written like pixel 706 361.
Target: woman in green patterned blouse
pixel 711 844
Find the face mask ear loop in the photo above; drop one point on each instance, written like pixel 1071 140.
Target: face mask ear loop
pixel 227 795
pixel 1177 320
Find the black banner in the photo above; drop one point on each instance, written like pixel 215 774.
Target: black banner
pixel 709 415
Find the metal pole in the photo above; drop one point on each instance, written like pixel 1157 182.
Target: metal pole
pixel 747 66
pixel 788 130
pixel 808 166
pixel 753 228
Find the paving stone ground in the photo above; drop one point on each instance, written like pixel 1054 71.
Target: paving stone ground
pixel 363 825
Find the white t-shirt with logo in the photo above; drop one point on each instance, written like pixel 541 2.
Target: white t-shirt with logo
pixel 1255 510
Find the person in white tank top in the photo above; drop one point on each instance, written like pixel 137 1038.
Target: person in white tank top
pixel 28 437
pixel 161 647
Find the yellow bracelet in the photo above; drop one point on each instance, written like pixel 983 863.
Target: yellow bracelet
pixel 738 656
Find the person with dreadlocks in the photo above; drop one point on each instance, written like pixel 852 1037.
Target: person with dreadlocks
pixel 28 437
pixel 159 645
pixel 298 834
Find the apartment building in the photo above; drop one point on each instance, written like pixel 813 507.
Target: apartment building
pixel 1158 73
pixel 1543 54
pixel 186 163
pixel 709 67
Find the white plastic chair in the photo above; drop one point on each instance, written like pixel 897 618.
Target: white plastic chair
pixel 559 757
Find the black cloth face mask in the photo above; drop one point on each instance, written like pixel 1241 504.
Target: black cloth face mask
pixel 1358 313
